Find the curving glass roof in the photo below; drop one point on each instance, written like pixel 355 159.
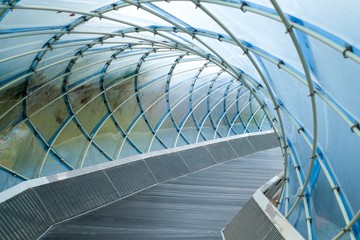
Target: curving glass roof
pixel 86 82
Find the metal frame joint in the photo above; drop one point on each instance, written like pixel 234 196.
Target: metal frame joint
pixel 337 188
pixel 243 4
pixel 355 125
pixel 347 49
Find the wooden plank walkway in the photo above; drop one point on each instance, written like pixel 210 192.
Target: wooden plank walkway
pixel 195 206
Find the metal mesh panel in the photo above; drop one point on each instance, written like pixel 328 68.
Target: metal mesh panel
pixel 251 223
pixel 197 158
pixel 221 151
pixel 167 166
pixel 23 217
pixel 241 146
pixel 131 177
pixel 273 139
pixel 260 142
pixel 70 197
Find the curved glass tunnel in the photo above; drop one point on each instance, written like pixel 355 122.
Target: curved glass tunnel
pixel 86 82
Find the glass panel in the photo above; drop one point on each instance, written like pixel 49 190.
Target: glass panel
pixel 327 223
pixel 337 75
pixel 22 152
pixel 70 145
pixel 291 91
pixel 16 46
pixel 92 64
pixel 108 138
pixel 140 133
pixel 168 133
pixel 7 180
pixel 344 26
pixel 189 14
pixel 91 116
pixel 257 30
pixel 156 146
pixel 51 166
pixel 132 14
pixel 51 118
pixel 93 157
pixel 340 155
pixel 127 150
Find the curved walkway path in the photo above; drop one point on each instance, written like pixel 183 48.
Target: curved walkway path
pixel 195 206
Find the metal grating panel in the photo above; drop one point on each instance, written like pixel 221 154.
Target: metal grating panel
pixel 23 217
pixel 241 146
pixel 221 151
pixel 251 223
pixel 70 197
pixel 260 142
pixel 197 158
pixel 167 166
pixel 273 139
pixel 131 177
